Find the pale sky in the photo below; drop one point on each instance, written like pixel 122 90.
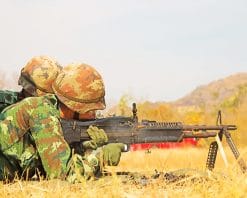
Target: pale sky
pixel 158 50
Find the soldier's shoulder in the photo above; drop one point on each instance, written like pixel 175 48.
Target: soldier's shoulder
pixel 48 98
pixel 41 101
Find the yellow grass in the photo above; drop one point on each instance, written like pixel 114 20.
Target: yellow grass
pixel 224 182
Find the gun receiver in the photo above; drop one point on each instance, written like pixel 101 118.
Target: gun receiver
pixel 129 131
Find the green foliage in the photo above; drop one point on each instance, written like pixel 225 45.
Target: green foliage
pixel 234 101
pixel 231 102
pixel 242 90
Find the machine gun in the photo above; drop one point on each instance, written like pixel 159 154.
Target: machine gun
pixel 129 131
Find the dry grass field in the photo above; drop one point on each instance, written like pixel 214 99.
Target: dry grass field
pixel 223 182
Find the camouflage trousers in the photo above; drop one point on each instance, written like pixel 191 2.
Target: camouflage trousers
pixel 10 169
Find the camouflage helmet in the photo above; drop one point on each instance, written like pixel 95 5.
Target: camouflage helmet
pixel 38 75
pixel 80 87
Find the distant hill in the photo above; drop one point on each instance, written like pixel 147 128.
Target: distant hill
pixel 200 106
pixel 227 91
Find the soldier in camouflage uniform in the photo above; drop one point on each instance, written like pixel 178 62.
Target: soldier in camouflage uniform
pixel 78 88
pixel 36 79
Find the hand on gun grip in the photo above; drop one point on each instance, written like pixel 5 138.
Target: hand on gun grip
pixel 112 153
pixel 98 138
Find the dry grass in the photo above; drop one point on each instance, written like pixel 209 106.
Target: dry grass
pixel 224 182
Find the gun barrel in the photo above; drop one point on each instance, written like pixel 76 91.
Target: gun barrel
pixel 205 127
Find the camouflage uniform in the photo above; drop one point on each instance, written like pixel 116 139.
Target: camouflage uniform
pixel 31 136
pixel 44 149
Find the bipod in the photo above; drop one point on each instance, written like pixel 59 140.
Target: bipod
pixel 213 148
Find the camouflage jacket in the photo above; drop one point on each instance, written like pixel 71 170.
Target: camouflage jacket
pixel 38 119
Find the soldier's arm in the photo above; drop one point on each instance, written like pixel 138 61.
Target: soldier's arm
pixel 53 150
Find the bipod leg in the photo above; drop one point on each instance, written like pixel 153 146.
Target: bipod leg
pixel 235 151
pixel 212 154
pixel 213 149
pixel 222 152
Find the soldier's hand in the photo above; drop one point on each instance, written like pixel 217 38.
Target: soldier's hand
pixel 98 138
pixel 112 153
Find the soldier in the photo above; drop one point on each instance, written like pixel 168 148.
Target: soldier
pixel 78 88
pixel 36 79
